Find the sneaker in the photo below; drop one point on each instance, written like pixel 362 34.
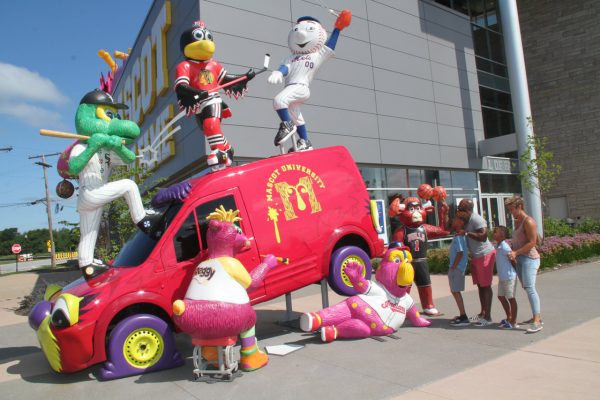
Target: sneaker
pixel 149 222
pixel 535 327
pixel 329 333
pixel 529 322
pixel 506 325
pixel 475 318
pixel 304 145
pixel 460 321
pixel 286 129
pixel 483 322
pixel 431 312
pixel 310 322
pixel 94 269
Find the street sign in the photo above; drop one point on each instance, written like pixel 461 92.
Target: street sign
pixel 16 248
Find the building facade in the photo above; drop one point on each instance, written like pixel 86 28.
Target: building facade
pixel 417 92
pixel 560 41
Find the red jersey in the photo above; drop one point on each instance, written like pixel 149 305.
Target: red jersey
pixel 203 75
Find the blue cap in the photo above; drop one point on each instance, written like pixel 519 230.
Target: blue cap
pixel 307 18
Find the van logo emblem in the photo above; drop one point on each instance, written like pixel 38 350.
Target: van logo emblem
pixel 296 198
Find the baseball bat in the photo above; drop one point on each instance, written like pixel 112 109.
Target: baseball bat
pixel 65 135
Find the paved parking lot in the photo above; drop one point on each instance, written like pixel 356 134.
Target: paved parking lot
pixel 438 362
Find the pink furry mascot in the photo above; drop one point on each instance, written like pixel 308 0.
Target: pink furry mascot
pixel 216 304
pixel 379 310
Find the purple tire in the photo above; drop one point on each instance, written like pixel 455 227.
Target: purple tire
pixel 338 281
pixel 139 344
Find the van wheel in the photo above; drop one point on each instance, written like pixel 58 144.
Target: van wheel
pixel 338 280
pixel 138 344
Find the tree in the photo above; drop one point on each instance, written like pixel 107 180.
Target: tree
pixel 539 173
pixel 8 237
pixel 116 227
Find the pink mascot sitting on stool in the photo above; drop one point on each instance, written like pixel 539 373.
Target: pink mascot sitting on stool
pixel 216 304
pixel 380 308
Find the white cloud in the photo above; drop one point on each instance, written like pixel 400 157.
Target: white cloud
pixel 37 117
pixel 23 94
pixel 21 84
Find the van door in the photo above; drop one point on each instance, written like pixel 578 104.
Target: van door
pixel 189 243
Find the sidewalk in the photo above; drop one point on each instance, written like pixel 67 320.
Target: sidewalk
pixel 438 362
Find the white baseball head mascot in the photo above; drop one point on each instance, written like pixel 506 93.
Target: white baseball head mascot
pixel 307 36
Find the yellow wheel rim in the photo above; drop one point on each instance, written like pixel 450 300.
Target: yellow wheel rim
pixel 343 269
pixel 143 347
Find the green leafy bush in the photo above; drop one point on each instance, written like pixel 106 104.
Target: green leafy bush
pixel 556 227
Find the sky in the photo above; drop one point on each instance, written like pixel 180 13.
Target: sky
pixel 48 61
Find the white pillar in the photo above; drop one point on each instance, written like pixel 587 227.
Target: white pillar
pixel 520 98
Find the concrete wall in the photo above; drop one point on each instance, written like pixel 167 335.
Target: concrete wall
pixel 560 41
pixel 402 89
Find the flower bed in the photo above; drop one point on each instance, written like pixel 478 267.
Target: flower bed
pixel 555 250
pixel 565 249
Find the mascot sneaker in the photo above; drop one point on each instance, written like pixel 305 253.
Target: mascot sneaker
pixel 329 333
pixel 148 223
pixel 286 129
pixel 310 322
pixel 252 358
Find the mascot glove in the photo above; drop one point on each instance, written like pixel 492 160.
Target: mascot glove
pixel 178 191
pixel 353 270
pixel 275 78
pixel 250 74
pixel 115 142
pixel 188 96
pixel 343 20
pixel 271 261
pixel 99 140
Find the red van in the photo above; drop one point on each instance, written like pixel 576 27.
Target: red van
pixel 310 207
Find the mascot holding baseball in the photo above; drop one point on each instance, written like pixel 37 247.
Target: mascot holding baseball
pixel 309 50
pixel 415 234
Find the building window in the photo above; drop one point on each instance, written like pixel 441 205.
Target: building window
pixel 490 60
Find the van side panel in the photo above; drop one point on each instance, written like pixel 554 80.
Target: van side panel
pixel 296 203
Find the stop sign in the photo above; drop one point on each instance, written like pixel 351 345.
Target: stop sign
pixel 16 248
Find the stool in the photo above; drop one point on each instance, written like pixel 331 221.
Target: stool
pixel 226 368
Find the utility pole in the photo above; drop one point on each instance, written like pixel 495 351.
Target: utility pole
pixel 48 210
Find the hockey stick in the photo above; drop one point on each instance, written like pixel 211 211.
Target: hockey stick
pixel 241 78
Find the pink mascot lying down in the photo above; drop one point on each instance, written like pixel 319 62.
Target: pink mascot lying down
pixel 216 304
pixel 381 307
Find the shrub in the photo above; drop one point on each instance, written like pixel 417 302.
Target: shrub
pixel 556 227
pixel 588 225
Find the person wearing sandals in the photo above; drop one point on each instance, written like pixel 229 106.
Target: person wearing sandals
pixel 526 256
pixel 458 265
pixel 507 277
pixel 483 255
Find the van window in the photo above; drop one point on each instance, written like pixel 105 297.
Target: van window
pixel 140 245
pixel 203 210
pixel 187 245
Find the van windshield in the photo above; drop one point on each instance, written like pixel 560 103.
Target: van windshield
pixel 140 245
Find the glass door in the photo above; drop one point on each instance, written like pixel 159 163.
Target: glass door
pixel 494 211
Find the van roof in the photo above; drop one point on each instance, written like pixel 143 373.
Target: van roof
pixel 217 181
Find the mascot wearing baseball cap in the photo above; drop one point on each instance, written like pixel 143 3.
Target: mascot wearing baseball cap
pixel 91 161
pixel 415 234
pixel 309 50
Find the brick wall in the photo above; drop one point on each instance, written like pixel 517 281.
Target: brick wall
pixel 561 41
